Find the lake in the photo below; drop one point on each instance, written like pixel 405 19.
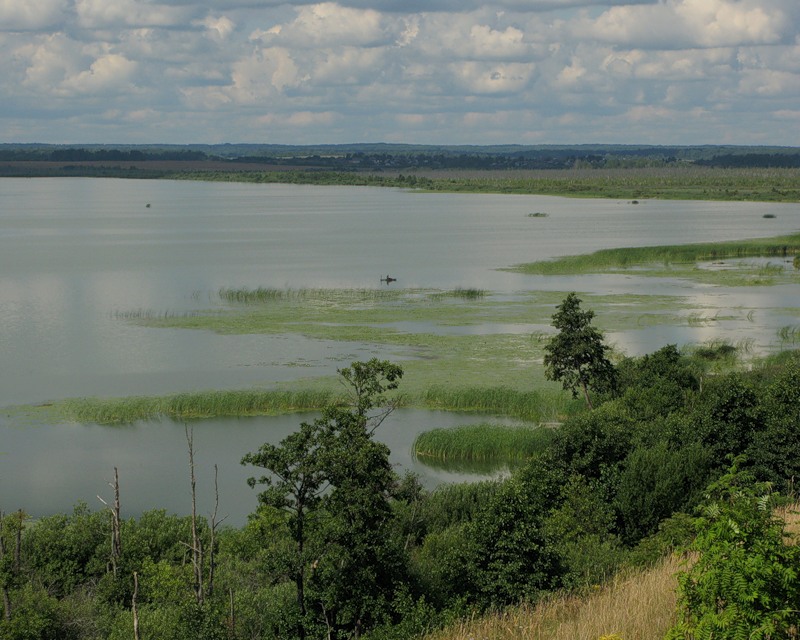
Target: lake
pixel 74 252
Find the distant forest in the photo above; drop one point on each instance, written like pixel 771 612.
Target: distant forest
pixel 393 157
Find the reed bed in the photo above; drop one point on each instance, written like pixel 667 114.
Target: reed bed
pixel 789 334
pixel 460 292
pixel 531 406
pixel 622 258
pixel 483 443
pixel 183 406
pixel 143 315
pixel 261 295
pixel 634 605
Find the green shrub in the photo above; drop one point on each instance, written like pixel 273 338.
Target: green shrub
pixel 745 582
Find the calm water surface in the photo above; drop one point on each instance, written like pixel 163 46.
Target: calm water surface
pixel 75 251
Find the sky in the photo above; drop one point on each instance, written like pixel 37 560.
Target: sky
pixel 403 71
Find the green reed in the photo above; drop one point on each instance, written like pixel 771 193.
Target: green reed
pixel 622 258
pixel 789 334
pixel 483 442
pixel 183 406
pixel 533 406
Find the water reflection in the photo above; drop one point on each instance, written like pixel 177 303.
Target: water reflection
pixel 46 468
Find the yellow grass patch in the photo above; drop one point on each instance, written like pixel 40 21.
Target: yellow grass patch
pixel 638 605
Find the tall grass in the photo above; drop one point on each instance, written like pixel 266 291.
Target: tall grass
pixel 637 605
pixel 181 406
pixel 483 442
pixel 532 406
pixel 632 256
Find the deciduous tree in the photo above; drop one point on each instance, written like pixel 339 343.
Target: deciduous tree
pixel 576 355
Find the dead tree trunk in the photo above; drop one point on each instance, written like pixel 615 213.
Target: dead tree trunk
pixel 197 545
pixel 134 610
pixel 6 594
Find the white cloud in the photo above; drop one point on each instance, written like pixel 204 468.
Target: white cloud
pixel 108 73
pixel 689 23
pixel 30 15
pixel 101 14
pixel 217 28
pixel 328 24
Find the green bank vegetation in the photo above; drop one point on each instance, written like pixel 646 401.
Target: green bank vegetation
pixel 338 546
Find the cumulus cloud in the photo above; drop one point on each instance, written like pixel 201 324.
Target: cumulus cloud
pixel 328 24
pixel 690 23
pixel 445 70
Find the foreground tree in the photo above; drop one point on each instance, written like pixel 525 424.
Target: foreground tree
pixel 576 355
pixel 334 480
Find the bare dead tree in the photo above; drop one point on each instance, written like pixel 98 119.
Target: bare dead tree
pixel 116 534
pixel 212 560
pixel 134 610
pixel 231 615
pixel 197 544
pixel 6 594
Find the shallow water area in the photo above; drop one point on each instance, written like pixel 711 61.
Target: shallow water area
pixel 78 254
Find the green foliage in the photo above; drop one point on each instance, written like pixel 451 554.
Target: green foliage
pixel 725 417
pixel 513 559
pixel 334 481
pixel 773 451
pixel 576 356
pixel 581 528
pixel 745 582
pixel 657 384
pixel 34 616
pixel 657 481
pixel 595 443
pixel 67 550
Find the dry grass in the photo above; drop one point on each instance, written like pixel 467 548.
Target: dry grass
pixel 790 514
pixel 639 605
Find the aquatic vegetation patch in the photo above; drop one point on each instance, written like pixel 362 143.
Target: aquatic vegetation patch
pixel 609 260
pixel 261 295
pixel 184 406
pixel 789 334
pixel 535 405
pixel 483 443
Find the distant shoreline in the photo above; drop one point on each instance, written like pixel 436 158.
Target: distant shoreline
pixel 665 183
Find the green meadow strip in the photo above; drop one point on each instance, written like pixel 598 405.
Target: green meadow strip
pixel 483 443
pixel 183 406
pixel 622 258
